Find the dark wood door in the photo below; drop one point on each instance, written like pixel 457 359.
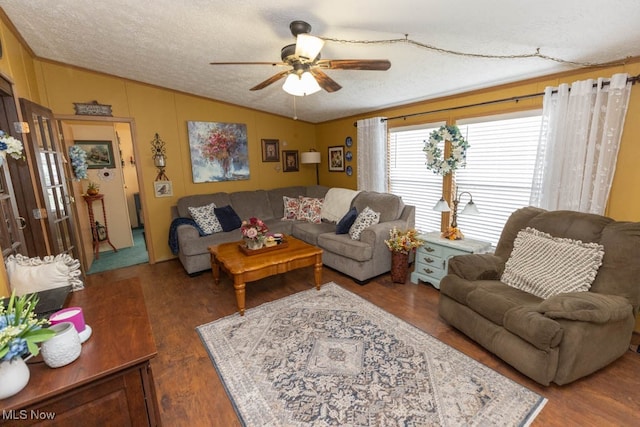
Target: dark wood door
pixel 12 239
pixel 51 188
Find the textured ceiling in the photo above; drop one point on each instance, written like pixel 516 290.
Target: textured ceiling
pixel 170 43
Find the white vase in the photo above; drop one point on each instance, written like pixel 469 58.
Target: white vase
pixel 254 244
pixel 63 348
pixel 14 376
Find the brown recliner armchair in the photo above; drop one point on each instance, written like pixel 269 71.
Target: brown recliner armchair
pixel 566 336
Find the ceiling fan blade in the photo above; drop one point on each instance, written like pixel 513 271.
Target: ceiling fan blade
pixel 248 63
pixel 325 82
pixel 355 64
pixel 270 80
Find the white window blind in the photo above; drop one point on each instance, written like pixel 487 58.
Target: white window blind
pixel 499 171
pixel 410 178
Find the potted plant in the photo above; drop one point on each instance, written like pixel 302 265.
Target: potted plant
pixel 93 188
pixel 20 332
pixel 401 243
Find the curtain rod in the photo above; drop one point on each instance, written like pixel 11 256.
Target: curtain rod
pixel 632 80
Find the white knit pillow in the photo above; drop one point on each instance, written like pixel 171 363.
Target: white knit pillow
pixel 543 265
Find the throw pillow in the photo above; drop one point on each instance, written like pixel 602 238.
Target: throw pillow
pixel 310 210
pixel 229 219
pixel 543 265
pixel 206 219
pixel 291 208
pixel 27 275
pixel 347 221
pixel 365 219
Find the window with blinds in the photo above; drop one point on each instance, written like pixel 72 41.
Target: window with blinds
pixel 499 171
pixel 498 174
pixel 410 178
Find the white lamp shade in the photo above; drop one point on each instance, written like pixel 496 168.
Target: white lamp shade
pixel 308 47
pixel 310 157
pixel 302 85
pixel 470 209
pixel 442 206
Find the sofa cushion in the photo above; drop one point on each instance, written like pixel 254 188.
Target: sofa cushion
pixel 310 210
pixel 219 199
pixel 389 205
pixel 309 232
pixel 206 218
pixel 347 221
pixel 494 299
pixel 545 265
pixel 366 218
pixel 229 219
pixel 249 204
pixel 533 327
pixel 346 247
pixel 587 307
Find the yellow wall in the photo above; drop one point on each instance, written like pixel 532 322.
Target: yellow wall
pixel 163 111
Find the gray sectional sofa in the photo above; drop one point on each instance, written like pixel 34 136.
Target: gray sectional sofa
pixel 361 259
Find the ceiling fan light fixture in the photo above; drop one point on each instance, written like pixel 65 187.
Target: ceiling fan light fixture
pixel 308 47
pixel 301 85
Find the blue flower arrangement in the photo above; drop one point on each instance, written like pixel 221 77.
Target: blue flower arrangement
pixel 20 330
pixel 78 162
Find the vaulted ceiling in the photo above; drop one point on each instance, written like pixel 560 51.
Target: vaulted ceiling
pixel 170 43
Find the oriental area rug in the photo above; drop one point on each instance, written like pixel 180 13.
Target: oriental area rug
pixel 329 357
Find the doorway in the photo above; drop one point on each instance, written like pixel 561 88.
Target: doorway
pixel 118 210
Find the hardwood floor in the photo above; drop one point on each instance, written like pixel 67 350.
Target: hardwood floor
pixel 190 392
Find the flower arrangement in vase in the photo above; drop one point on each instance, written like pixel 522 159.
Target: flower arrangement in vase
pixel 401 243
pixel 254 232
pixel 20 332
pixel 9 145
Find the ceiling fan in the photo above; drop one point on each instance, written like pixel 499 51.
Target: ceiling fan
pixel 306 75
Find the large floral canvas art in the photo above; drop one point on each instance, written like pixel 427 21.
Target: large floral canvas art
pixel 219 151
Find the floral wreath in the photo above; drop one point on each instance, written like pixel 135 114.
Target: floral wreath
pixel 435 158
pixel 78 162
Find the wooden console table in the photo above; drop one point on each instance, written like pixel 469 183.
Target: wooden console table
pixel 111 383
pixel 94 227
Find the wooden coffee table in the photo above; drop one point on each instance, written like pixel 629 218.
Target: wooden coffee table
pixel 248 268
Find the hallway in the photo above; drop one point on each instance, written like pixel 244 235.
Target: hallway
pixel 136 254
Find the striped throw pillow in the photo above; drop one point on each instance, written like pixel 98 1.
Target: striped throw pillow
pixel 543 265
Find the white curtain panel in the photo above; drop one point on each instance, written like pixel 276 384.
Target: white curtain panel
pixel 372 155
pixel 581 131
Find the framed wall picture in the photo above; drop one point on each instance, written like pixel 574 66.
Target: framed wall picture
pixel 163 188
pixel 99 154
pixel 270 150
pixel 290 161
pixel 219 151
pixel 336 158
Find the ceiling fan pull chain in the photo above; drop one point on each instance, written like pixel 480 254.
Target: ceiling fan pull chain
pixel 295 111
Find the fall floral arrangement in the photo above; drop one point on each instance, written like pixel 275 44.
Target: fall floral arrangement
pixel 254 229
pixel 403 241
pixel 78 159
pixel 20 330
pixel 9 145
